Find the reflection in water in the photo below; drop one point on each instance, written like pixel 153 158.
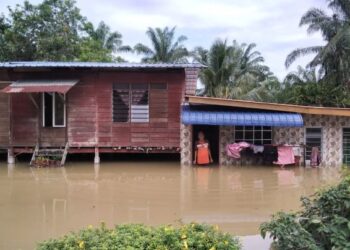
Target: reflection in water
pixel 36 204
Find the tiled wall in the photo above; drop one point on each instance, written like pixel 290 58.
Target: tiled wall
pixel 331 139
pixel 332 136
pixel 226 137
pixel 186 145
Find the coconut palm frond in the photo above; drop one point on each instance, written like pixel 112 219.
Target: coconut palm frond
pixel 295 54
pixel 165 47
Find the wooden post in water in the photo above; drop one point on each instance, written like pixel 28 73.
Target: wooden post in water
pixel 97 156
pixel 10 156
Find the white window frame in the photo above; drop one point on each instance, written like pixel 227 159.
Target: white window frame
pixel 262 130
pixel 54 125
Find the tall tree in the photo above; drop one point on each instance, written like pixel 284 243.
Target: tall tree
pixel 165 46
pixel 334 57
pixel 47 31
pixel 101 44
pixel 232 70
pixel 54 30
pixel 218 69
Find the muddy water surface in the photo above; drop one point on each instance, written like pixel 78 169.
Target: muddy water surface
pixel 37 204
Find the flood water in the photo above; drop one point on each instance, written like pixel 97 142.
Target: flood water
pixel 36 204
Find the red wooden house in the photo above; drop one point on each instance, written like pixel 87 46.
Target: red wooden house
pixel 86 107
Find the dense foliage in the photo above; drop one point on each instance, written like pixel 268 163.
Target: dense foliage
pixel 306 87
pixel 54 30
pixel 323 223
pixel 135 236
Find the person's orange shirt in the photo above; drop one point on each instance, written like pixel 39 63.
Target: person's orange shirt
pixel 203 153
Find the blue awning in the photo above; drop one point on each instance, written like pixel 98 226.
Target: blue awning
pixel 240 118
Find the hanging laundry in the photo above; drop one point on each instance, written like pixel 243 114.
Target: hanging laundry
pixel 234 150
pixel 297 151
pixel 257 149
pixel 270 154
pixel 315 157
pixel 285 155
pixel 297 155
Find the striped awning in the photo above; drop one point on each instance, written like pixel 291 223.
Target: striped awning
pixel 40 86
pixel 240 118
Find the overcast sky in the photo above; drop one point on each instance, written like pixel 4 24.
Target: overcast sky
pixel 271 24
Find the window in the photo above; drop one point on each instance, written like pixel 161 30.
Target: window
pixel 313 138
pixel 346 146
pixel 121 102
pixel 54 110
pixel 131 102
pixel 257 135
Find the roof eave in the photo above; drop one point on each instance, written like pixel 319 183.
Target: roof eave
pixel 312 110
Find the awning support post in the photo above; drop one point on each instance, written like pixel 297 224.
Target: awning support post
pixel 33 101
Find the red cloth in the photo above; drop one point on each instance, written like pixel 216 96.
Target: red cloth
pixel 285 155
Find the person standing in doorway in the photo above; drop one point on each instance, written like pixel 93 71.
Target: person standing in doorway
pixel 202 154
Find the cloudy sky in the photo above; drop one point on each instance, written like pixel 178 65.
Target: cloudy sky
pixel 271 24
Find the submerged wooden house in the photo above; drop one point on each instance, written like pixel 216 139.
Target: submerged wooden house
pixel 86 107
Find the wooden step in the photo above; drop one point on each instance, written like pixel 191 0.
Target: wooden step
pixel 56 154
pixel 50 150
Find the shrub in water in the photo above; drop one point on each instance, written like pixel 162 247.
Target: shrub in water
pixel 323 223
pixel 135 236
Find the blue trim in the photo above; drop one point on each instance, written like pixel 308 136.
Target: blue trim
pixel 240 118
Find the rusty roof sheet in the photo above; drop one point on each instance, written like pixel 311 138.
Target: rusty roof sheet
pixel 40 86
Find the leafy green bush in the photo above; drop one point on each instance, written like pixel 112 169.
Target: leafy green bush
pixel 136 236
pixel 323 223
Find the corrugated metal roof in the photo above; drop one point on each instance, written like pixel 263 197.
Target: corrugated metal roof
pixel 313 110
pixel 238 118
pixel 104 65
pixel 40 86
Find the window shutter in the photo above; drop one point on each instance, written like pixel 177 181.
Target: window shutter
pixel 121 102
pixel 139 103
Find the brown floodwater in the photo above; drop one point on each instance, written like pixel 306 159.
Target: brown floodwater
pixel 37 204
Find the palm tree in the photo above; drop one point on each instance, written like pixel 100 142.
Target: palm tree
pixel 303 76
pixel 232 70
pixel 101 44
pixel 219 69
pixel 333 58
pixel 110 40
pixel 249 61
pixel 265 91
pixel 166 48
